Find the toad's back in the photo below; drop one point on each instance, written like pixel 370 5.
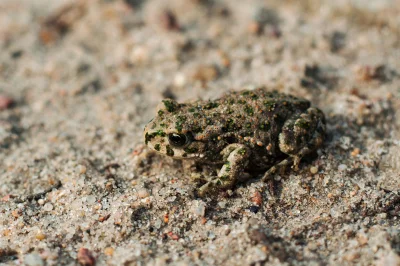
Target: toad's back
pixel 254 118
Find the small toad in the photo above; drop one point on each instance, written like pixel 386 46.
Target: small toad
pixel 242 132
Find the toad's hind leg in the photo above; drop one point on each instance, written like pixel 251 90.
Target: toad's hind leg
pixel 235 158
pixel 301 135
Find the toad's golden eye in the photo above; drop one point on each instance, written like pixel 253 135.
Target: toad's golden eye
pixel 178 140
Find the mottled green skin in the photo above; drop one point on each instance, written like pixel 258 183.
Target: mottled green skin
pixel 268 125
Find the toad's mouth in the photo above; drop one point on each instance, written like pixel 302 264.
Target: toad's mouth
pixel 192 156
pixel 173 152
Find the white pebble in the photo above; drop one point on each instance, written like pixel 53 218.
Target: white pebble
pixel 158 224
pixel 139 54
pixel 222 204
pixel 211 235
pixel 48 207
pixel 171 199
pixel 41 201
pixel 143 193
pixel 33 259
pixel 91 199
pixel 82 169
pixel 342 167
pixel 256 254
pixel 180 80
pixel 199 208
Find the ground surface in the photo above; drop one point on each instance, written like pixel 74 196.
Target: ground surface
pixel 84 77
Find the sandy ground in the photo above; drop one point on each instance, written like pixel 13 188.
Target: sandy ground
pixel 80 79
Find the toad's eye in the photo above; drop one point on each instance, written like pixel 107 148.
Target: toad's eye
pixel 178 140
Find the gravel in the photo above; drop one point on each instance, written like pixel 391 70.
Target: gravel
pixel 80 79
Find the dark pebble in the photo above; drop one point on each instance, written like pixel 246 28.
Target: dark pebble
pixel 254 208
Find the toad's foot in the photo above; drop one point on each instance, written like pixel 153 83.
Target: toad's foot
pixel 236 159
pixel 202 175
pixel 280 167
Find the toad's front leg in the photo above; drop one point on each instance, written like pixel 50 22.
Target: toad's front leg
pixel 236 158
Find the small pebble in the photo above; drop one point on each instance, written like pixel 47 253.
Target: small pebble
pixel 41 201
pixel 353 193
pixel 211 235
pixel 6 232
pixel 91 199
pixel 312 246
pixel 16 213
pixel 355 152
pixel 254 209
pixel 382 215
pixel 368 73
pixel 227 231
pixel 169 21
pixel 173 236
pixel 180 80
pixel 158 223
pixel 199 208
pixel 5 102
pixel 257 236
pixel 222 204
pixel 6 198
pixel 40 236
pixel 85 257
pixel 257 198
pixel 82 169
pixel 205 73
pixel 109 251
pixel 139 54
pixel 109 186
pixel 362 239
pixel 48 207
pixel 143 193
pixel 254 27
pixel 342 167
pixel 104 218
pixel 224 58
pixel 33 259
pixel 313 170
pixel 352 256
